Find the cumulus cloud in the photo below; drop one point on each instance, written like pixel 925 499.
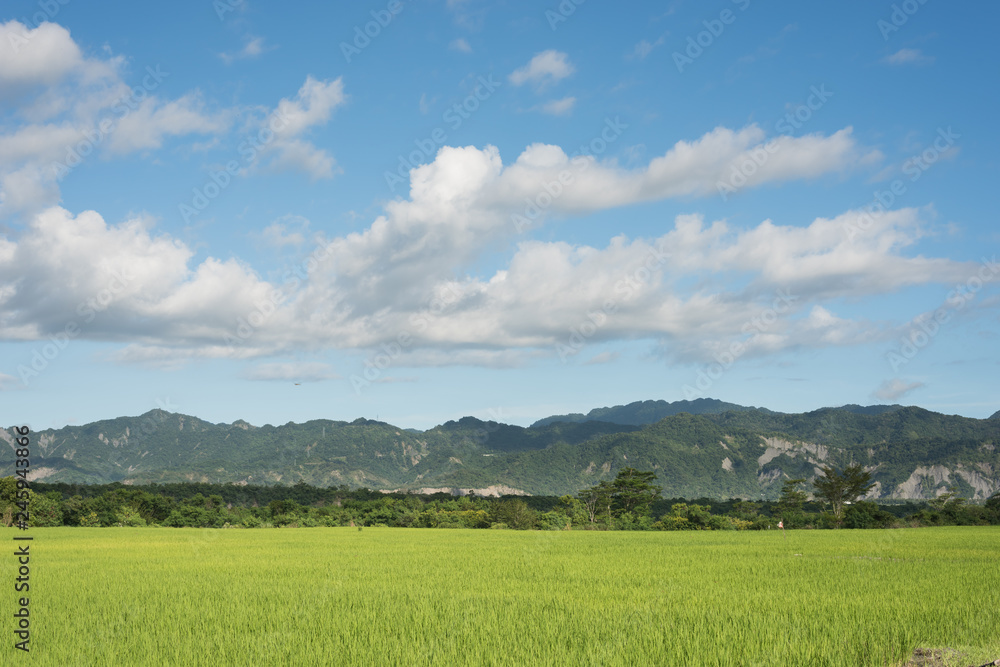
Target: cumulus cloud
pixel 42 56
pixel 77 108
pixel 544 69
pixel 312 106
pixel 121 283
pixel 894 389
pixel 407 273
pixel 146 127
pixel 74 108
pixel 689 168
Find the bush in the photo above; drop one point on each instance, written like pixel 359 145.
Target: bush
pixel 129 518
pixel 865 514
pixel 673 522
pixel 515 513
pixel 90 520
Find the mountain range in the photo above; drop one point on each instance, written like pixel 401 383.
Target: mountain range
pixel 700 448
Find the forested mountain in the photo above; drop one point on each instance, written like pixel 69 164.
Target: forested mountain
pixel 647 412
pixel 735 452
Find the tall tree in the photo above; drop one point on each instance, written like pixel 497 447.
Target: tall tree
pixel 516 514
pixel 843 487
pixel 596 498
pixel 634 491
pixel 631 491
pixel 792 497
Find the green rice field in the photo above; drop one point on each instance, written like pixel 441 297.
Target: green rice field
pixel 396 596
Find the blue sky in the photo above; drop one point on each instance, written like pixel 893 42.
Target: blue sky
pixel 415 211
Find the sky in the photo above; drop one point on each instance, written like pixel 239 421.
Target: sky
pixel 417 211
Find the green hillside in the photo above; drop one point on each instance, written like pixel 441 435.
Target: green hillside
pixel 647 412
pixel 745 452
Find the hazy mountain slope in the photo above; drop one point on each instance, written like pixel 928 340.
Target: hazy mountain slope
pixel 646 412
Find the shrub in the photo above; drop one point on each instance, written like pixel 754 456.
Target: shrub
pixel 865 514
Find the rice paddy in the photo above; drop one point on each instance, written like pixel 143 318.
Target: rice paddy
pixel 395 596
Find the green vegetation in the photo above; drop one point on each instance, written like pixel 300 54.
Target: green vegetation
pixel 642 413
pixel 385 596
pixel 737 452
pixel 630 502
pixel 844 487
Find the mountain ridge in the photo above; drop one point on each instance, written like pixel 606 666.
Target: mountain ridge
pixel 742 452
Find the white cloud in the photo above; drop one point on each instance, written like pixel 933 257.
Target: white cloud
pixel 292 372
pixel 42 56
pixel 644 48
pixel 119 282
pixel 9 382
pixel 602 358
pixel 408 271
pixel 78 109
pixel 146 127
pixel 289 230
pixel 312 106
pixel 559 107
pixel 253 47
pixel 75 108
pixel 907 57
pixel 545 68
pixel 460 44
pixel 894 389
pixel 425 104
pixel 689 168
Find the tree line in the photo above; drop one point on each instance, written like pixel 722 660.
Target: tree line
pixel 632 501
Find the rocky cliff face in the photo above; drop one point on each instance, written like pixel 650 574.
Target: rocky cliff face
pixel 977 481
